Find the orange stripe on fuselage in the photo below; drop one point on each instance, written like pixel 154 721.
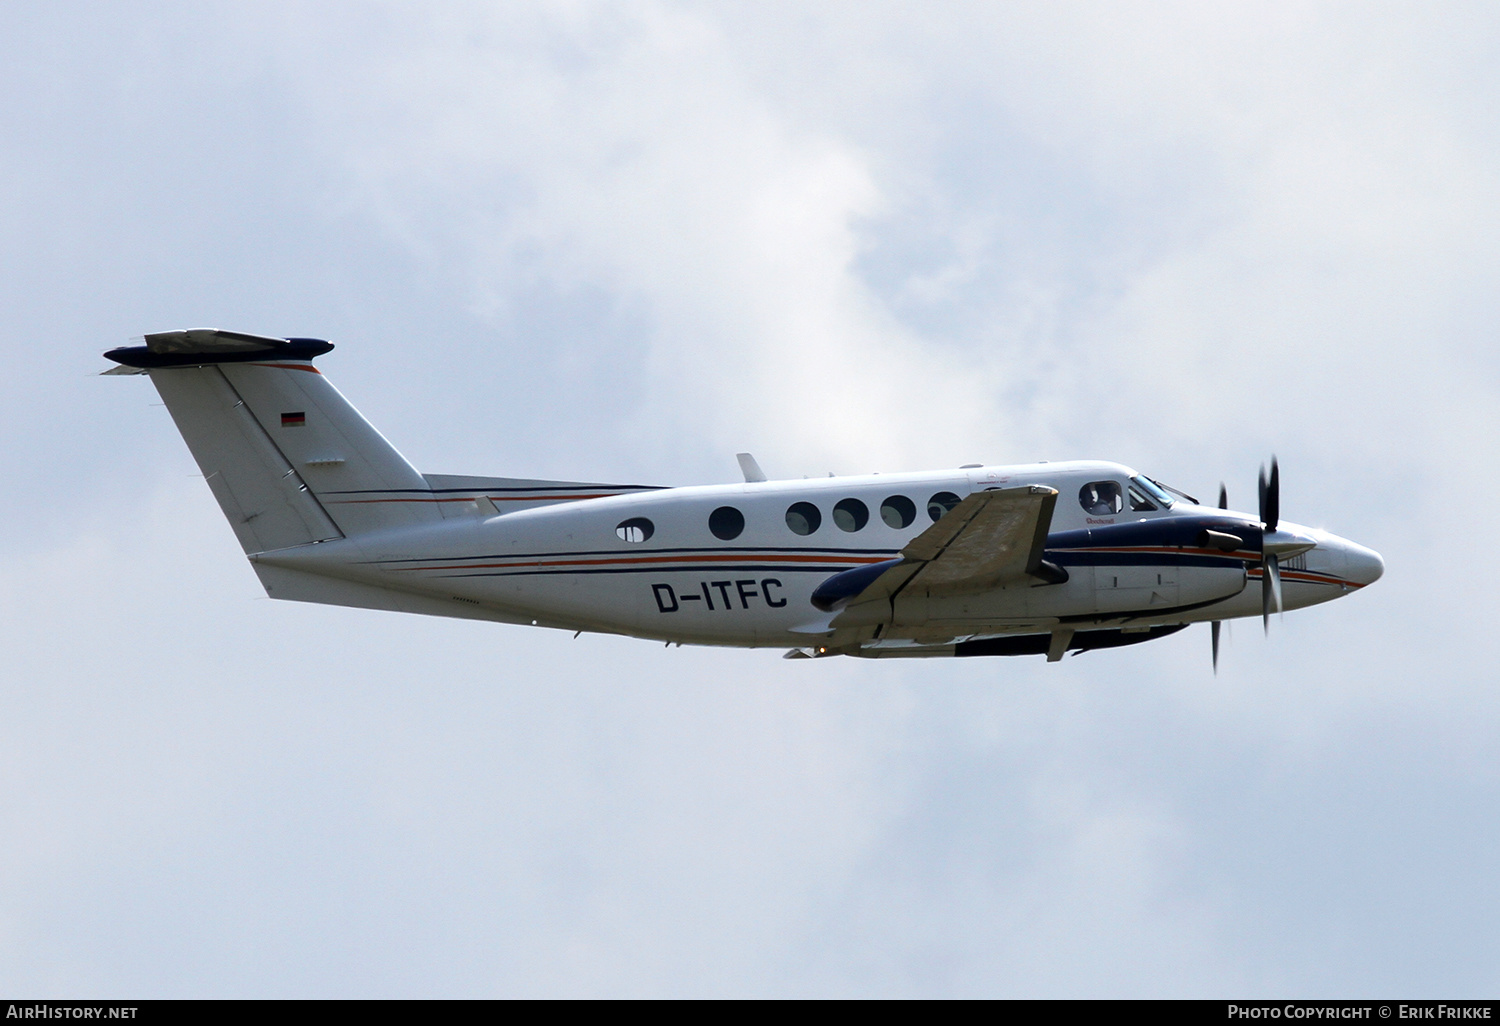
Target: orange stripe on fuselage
pixel 1306 577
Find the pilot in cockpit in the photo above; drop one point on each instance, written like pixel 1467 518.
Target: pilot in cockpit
pixel 1098 498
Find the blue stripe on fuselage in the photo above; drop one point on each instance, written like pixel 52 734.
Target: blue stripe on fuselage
pixel 1163 541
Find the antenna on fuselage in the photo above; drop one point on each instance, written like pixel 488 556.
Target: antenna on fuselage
pixel 751 469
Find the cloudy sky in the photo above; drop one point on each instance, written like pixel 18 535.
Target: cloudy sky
pixel 622 242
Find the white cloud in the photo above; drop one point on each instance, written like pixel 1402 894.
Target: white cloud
pixel 635 157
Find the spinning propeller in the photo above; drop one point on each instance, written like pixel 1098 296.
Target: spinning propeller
pixel 1217 624
pixel 1270 514
pixel 1274 545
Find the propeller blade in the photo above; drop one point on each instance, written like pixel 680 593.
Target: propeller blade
pixel 1275 496
pixel 1270 496
pixel 1270 588
pixel 1273 567
pixel 1214 627
pixel 1223 496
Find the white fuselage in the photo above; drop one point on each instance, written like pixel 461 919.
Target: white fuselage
pixel 580 565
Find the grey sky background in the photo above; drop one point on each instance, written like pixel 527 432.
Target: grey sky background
pixel 623 242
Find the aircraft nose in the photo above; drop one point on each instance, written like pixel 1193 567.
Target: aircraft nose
pixel 1354 563
pixel 1362 565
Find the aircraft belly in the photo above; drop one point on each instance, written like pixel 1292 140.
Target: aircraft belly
pixel 737 609
pixel 1144 590
pixel 1140 593
pixel 1210 584
pixel 1022 608
pixel 1295 594
pixel 1119 589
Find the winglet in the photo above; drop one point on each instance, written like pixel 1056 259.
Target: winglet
pixel 751 469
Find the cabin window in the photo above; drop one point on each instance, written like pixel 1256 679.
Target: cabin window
pixel 1101 498
pixel 803 518
pixel 726 523
pixel 898 511
pixel 940 504
pixel 636 529
pixel 851 515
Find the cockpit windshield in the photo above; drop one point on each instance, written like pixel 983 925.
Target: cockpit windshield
pixel 1146 494
pixel 1174 491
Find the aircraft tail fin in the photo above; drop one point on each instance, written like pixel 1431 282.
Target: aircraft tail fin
pixel 289 459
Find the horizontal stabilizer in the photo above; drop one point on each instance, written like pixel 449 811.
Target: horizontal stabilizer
pixel 210 340
pixel 197 346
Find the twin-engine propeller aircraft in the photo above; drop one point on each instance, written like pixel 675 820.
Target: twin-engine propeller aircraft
pixel 1042 558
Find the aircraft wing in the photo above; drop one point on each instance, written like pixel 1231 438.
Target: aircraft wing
pixel 989 539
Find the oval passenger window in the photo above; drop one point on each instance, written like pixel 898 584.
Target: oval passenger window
pixel 898 511
pixel 803 518
pixel 940 504
pixel 636 529
pixel 726 523
pixel 851 515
